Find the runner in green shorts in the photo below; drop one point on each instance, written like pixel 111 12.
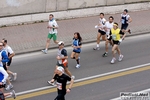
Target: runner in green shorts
pixel 54 36
pixel 52 26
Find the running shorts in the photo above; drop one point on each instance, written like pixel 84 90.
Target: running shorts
pixel 76 51
pixel 64 63
pixel 54 36
pixel 101 32
pixel 4 66
pixel 116 42
pixel 9 62
pixel 124 26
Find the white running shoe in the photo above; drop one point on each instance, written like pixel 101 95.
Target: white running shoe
pixel 13 94
pixel 77 66
pixel 44 51
pixel 9 87
pixel 14 76
pixel 120 57
pixel 50 83
pixel 73 77
pixel 113 60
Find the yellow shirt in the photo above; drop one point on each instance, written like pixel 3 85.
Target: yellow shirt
pixel 115 34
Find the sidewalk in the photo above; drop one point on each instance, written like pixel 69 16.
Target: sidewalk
pixel 32 37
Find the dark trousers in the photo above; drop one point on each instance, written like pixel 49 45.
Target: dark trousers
pixel 61 95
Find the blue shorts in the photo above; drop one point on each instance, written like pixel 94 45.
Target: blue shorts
pixel 76 51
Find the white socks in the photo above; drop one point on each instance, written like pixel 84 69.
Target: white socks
pixel 97 45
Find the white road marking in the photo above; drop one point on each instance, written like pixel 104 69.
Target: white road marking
pixel 129 39
pixel 87 78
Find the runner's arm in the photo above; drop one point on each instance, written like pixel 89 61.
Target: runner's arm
pixel 11 55
pixel 4 73
pixel 123 34
pixel 11 52
pixel 55 26
pixel 54 78
pixel 130 20
pixel 71 83
pixel 80 45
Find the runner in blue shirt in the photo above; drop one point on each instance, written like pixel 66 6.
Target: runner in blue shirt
pixel 76 44
pixel 3 73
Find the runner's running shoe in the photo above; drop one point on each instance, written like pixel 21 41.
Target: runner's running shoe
pixel 120 57
pixel 50 83
pixel 97 48
pixel 77 66
pixel 113 60
pixel 105 54
pixel 44 51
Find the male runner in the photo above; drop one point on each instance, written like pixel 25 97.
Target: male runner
pixel 125 20
pixel 108 27
pixel 52 26
pixel 10 54
pixel 61 83
pixel 101 31
pixel 62 60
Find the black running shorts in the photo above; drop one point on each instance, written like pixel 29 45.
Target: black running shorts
pixel 124 26
pixel 116 42
pixel 101 32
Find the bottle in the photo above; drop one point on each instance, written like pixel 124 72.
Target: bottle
pixel 53 26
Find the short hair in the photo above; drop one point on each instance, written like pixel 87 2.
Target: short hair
pixel 51 15
pixel 126 10
pixel 102 14
pixel 111 17
pixel 4 40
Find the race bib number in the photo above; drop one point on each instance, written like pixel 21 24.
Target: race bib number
pixel 123 21
pixel 59 86
pixel 114 37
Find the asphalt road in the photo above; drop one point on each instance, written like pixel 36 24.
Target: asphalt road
pixel 105 90
pixel 35 69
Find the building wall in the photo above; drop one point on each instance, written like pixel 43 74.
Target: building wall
pixel 20 7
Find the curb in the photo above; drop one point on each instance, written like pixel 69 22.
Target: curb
pixel 86 42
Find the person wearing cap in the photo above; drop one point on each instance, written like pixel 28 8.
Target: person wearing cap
pixel 125 20
pixel 115 34
pixel 61 82
pixel 101 31
pixel 76 44
pixel 62 60
pixel 52 26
